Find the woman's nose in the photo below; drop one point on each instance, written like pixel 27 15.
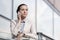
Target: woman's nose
pixel 24 11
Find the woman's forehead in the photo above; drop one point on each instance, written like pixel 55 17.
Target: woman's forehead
pixel 24 7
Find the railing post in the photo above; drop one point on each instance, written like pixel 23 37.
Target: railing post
pixel 39 36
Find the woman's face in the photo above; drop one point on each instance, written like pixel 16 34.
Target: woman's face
pixel 24 10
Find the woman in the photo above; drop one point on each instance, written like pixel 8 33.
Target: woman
pixel 22 28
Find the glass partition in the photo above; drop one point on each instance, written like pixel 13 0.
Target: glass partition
pixel 48 18
pixel 6 11
pixel 44 18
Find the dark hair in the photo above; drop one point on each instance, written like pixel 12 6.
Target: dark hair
pixel 19 7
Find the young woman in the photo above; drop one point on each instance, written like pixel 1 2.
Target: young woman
pixel 22 28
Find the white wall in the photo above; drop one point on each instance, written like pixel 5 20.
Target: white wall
pixel 56 26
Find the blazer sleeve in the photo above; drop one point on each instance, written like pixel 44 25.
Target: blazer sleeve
pixel 33 33
pixel 14 28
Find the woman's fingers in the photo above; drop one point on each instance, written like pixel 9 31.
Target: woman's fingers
pixel 19 36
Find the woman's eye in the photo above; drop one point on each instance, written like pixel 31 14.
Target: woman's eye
pixel 26 9
pixel 22 9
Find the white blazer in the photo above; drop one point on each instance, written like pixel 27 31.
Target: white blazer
pixel 29 29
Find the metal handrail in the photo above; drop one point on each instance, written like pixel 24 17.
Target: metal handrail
pixel 40 35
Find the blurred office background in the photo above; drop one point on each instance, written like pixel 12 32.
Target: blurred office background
pixel 44 14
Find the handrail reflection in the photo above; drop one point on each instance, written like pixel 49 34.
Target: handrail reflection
pixel 5 17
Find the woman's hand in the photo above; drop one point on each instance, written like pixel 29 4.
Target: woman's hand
pixel 19 16
pixel 19 35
